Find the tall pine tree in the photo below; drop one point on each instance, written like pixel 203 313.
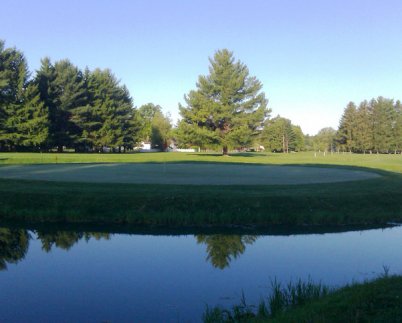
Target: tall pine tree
pixel 347 127
pixel 33 120
pixel 13 79
pixel 62 89
pixel 364 128
pixel 227 109
pixel 397 128
pixel 382 115
pixel 108 119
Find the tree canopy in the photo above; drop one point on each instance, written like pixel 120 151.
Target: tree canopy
pixel 227 109
pixel 14 245
pixel 372 126
pixel 222 249
pixel 280 135
pixel 62 106
pixel 156 127
pixel 325 140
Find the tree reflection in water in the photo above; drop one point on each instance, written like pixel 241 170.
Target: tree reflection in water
pixel 14 245
pixel 222 249
pixel 66 239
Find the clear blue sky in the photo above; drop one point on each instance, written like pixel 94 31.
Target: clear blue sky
pixel 313 56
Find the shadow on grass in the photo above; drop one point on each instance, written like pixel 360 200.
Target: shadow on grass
pixel 240 154
pixel 237 163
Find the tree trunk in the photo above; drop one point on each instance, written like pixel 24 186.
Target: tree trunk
pixel 225 151
pixel 60 148
pixel 283 144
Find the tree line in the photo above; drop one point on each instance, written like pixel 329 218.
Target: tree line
pixel 228 109
pixel 65 107
pixel 62 107
pixel 373 126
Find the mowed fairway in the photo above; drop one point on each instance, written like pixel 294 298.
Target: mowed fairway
pixel 184 174
pixel 389 162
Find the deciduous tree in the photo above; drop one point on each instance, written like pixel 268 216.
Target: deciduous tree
pixel 280 135
pixel 324 140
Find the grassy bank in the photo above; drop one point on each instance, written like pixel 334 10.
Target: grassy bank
pixel 374 201
pixel 373 301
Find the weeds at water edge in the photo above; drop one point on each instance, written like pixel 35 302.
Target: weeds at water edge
pixel 282 298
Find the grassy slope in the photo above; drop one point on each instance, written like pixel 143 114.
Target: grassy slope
pixel 374 301
pixel 364 202
pixel 377 301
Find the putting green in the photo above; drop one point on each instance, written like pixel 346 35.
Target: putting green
pixel 184 174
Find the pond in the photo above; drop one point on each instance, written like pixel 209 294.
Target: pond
pixel 73 275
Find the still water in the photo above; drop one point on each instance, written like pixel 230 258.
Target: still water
pixel 76 276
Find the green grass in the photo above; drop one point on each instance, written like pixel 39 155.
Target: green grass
pixel 374 201
pixel 183 173
pixel 379 300
pixel 385 162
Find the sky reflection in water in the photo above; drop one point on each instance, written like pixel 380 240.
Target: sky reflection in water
pixel 150 278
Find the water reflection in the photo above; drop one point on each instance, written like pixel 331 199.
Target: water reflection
pixel 14 243
pixel 222 249
pixel 13 246
pixel 66 239
pixel 138 268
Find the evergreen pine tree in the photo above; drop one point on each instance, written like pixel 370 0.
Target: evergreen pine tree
pixel 347 127
pixel 228 107
pixel 33 120
pixel 382 115
pixel 13 79
pixel 397 129
pixel 62 89
pixel 297 144
pixel 108 119
pixel 364 128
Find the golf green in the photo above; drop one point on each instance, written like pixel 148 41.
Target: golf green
pixel 183 173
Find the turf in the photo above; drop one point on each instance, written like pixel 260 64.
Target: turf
pixel 183 174
pixel 371 201
pixel 377 161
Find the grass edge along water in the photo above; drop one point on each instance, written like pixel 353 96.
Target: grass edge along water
pixel 378 300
